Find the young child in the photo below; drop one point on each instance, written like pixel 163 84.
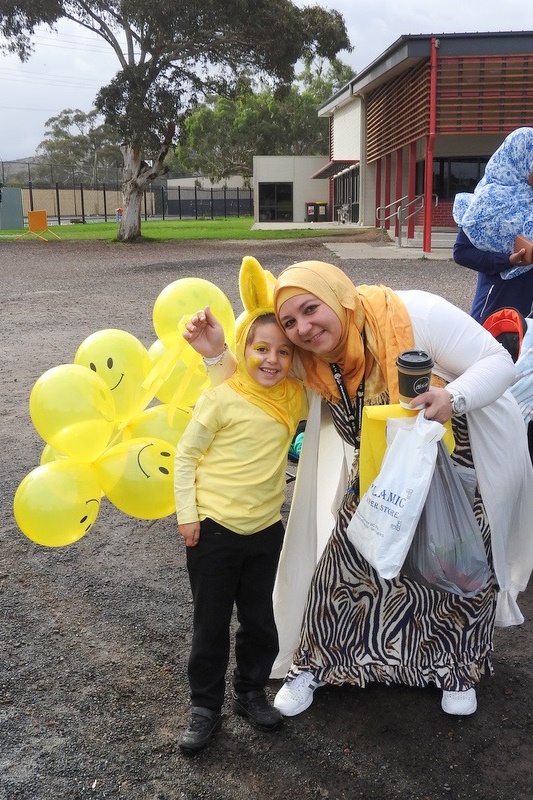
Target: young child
pixel 229 487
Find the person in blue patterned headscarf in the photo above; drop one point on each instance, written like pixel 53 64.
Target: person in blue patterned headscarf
pixel 500 208
pixel 502 203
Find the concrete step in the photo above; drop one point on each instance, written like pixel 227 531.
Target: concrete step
pixel 438 239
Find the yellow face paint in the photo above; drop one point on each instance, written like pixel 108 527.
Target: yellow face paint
pixel 254 362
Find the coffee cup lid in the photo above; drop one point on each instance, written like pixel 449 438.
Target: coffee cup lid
pixel 415 359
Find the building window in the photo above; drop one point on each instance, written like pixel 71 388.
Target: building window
pixel 452 175
pixel 275 202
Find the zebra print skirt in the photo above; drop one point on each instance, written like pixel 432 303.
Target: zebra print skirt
pixel 359 628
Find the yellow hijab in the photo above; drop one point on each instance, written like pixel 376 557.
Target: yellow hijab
pixel 375 310
pixel 284 401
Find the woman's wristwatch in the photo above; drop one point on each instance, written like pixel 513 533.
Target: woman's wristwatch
pixel 457 400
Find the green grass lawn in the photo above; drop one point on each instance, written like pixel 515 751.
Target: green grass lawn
pixel 175 230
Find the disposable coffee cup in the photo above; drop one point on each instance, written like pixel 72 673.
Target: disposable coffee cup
pixel 414 374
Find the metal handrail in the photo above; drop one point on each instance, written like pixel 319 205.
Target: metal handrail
pixel 402 217
pixel 398 211
pixel 381 209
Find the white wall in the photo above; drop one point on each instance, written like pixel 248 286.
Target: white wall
pixel 296 170
pixel 367 197
pixel 347 131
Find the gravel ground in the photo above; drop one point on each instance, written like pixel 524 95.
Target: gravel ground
pixel 93 689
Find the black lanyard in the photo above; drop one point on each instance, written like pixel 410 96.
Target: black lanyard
pixel 355 416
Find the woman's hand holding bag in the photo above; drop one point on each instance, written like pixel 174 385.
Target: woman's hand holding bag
pixel 385 521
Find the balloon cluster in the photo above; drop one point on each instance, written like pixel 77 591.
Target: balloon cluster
pixel 111 421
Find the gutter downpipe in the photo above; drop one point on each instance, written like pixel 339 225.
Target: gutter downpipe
pixel 430 145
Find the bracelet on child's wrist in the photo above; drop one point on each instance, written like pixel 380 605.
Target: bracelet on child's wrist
pixel 211 361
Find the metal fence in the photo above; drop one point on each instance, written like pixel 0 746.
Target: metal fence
pixel 69 199
pixel 83 205
pixel 47 176
pixel 195 203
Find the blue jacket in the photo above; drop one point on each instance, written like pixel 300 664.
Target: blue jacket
pixel 492 292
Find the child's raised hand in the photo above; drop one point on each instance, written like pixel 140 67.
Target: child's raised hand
pixel 205 333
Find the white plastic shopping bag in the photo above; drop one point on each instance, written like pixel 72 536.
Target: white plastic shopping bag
pixel 384 523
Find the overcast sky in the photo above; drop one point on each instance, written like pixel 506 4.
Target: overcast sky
pixel 69 66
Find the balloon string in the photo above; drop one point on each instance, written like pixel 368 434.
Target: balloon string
pixel 159 373
pixel 193 368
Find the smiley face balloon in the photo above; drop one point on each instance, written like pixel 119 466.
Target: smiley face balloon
pixel 72 409
pixel 57 503
pixel 183 298
pixel 122 361
pixel 137 476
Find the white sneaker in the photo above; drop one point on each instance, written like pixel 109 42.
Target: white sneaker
pixel 459 703
pixel 297 694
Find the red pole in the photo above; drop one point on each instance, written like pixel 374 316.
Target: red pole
pixel 387 188
pixel 399 185
pixel 378 190
pixel 430 144
pixel 411 189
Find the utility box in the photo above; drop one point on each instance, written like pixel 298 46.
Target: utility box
pixel 11 217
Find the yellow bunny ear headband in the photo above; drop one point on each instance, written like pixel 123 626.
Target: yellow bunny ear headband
pixel 256 287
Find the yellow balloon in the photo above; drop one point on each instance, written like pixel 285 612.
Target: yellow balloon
pixel 73 411
pixel 183 298
pixel 161 422
pixel 197 381
pixel 137 476
pixel 57 503
pixel 121 360
pixel 50 454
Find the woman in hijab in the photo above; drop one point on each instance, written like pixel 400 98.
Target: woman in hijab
pixel 502 204
pixel 500 208
pixel 338 621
